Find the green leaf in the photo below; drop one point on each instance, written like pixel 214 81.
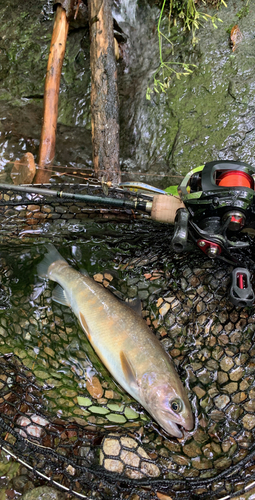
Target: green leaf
pixel 172 190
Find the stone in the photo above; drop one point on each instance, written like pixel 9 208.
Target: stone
pixel 150 469
pixel 199 391
pixel 113 465
pixel 111 446
pixel 117 447
pixel 43 493
pixel 222 377
pixel 164 309
pixel 130 458
pixel 226 364
pixel 201 463
pixel 230 388
pixel 128 442
pixel 98 277
pixel 222 401
pixel 162 496
pixel 24 170
pixel 249 421
pixel 94 387
pixel 236 374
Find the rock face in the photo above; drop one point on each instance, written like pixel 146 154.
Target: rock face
pixel 204 116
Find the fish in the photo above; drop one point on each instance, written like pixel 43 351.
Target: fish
pixel 123 341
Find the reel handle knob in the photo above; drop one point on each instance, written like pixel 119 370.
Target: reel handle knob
pixel 241 292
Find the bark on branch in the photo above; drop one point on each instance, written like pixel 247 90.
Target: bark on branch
pixel 104 92
pixel 51 92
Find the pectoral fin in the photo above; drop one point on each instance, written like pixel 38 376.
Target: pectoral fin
pixel 84 325
pixel 59 295
pixel 128 370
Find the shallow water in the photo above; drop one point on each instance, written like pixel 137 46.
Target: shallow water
pixel 46 361
pixel 185 300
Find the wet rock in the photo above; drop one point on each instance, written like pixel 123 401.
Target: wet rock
pixel 201 463
pixel 222 401
pixel 199 392
pixel 222 377
pixel 164 309
pixel 236 374
pixel 162 496
pixel 239 397
pixel 223 463
pixel 43 493
pixel 230 388
pixel 94 387
pixel 130 455
pixel 24 170
pixel 249 421
pixel 192 449
pixel 226 364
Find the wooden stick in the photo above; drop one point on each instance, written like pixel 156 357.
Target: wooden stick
pixel 51 92
pixel 104 92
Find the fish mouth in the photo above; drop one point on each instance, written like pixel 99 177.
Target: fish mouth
pixel 175 430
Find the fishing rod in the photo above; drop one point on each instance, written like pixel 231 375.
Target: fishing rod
pixel 161 208
pixel 213 208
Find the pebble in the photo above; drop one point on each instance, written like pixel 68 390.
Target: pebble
pixel 199 391
pixel 130 454
pixel 164 309
pixel 201 463
pixel 226 364
pixel 222 401
pixel 43 493
pixel 230 388
pixel 94 387
pixel 162 496
pixel 249 421
pixel 98 277
pixel 33 425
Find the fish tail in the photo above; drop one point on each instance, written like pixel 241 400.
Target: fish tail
pixel 51 256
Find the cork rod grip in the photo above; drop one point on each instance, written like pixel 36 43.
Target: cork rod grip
pixel 164 208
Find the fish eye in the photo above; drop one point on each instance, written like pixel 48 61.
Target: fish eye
pixel 176 405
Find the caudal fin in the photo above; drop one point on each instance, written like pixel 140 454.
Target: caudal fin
pixel 51 256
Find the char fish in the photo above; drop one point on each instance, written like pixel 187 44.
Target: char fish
pixel 124 343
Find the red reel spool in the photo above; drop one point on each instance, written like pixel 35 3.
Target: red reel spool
pixel 235 178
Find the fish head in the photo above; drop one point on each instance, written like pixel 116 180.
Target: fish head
pixel 170 407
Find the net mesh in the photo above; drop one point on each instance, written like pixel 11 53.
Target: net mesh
pixel 61 413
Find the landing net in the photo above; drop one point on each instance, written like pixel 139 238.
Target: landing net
pixel 61 413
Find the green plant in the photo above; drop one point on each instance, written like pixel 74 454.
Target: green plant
pixel 244 11
pixel 192 19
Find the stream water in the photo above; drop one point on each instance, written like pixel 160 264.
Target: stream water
pixel 46 363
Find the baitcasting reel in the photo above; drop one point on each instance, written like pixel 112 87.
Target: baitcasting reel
pixel 219 210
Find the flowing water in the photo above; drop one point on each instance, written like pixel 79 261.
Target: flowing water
pixel 92 437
